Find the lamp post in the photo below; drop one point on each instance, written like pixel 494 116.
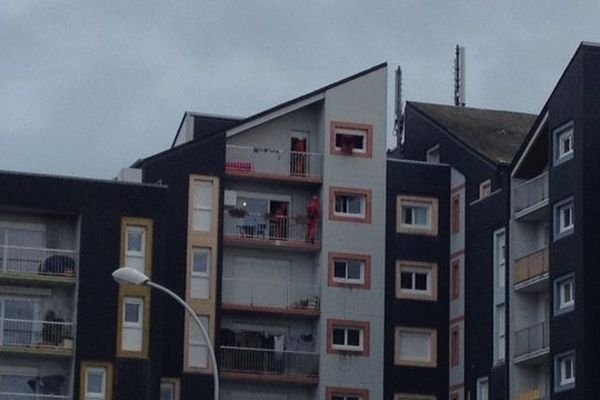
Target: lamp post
pixel 131 276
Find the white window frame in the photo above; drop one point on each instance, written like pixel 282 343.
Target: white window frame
pixel 561 135
pixel 169 385
pixel 133 327
pixel 346 397
pixel 196 276
pixel 363 205
pixel 95 395
pixel 485 188
pixel 139 255
pixel 345 346
pixel 413 270
pixel 346 279
pixel 198 207
pixel 561 227
pixel 199 342
pixel 561 304
pixel 413 205
pixel 483 388
pixel 562 382
pixel 362 133
pixel 500 257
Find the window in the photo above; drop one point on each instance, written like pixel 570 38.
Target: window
pixel 169 389
pixel 563 143
pixel 348 336
pixel 348 204
pixel 483 389
pixel 454 346
pixel 135 248
pixel 96 381
pixel 349 270
pixel 433 154
pixel 501 333
pixel 455 271
pixel 564 369
pixel 564 218
pixel 416 280
pixel 334 393
pixel 351 139
pixel 198 349
pixel 417 215
pixel 564 294
pixel 455 213
pixel 133 322
pixel 17 247
pixel 200 273
pixel 409 396
pixel 415 347
pixel 500 257
pixel 485 189
pixel 202 196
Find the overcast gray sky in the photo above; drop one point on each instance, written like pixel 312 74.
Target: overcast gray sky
pixel 87 87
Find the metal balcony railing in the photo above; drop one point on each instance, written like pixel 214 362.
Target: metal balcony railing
pixel 31 261
pixel 531 265
pixel 532 340
pixel 31 396
pixel 47 335
pixel 531 192
pixel 265 293
pixel 265 227
pixel 268 161
pixel 269 362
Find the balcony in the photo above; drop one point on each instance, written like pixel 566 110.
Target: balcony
pixel 31 396
pixel 250 364
pixel 37 337
pixel 531 271
pixel 261 230
pixel 270 297
pixel 530 196
pixel 38 264
pixel 532 344
pixel 262 163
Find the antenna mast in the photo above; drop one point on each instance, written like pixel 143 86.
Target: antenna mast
pixel 459 77
pixel 399 120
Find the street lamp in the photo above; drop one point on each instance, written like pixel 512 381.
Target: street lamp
pixel 131 276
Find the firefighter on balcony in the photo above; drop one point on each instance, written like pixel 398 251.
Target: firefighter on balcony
pixel 299 158
pixel 313 212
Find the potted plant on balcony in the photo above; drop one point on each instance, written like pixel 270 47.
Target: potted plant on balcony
pixel 237 212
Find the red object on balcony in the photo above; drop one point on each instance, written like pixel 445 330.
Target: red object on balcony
pixel 239 166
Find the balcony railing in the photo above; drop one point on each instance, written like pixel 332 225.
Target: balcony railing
pixel 31 396
pixel 269 362
pixel 265 293
pixel 33 261
pixel 263 227
pixel 531 266
pixel 531 192
pixel 43 335
pixel 248 160
pixel 532 340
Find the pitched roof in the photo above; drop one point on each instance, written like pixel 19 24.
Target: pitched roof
pixel 494 134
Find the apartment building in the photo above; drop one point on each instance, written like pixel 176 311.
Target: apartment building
pixel 282 255
pixel 66 330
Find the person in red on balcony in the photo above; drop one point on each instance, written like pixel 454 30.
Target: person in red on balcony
pixel 313 212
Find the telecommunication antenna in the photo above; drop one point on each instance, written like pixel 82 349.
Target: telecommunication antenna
pixel 459 77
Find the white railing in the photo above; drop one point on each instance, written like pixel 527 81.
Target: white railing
pixel 36 334
pixel 531 192
pixel 38 261
pixel 269 161
pixel 532 339
pixel 267 361
pixel 31 396
pixel 265 227
pixel 265 293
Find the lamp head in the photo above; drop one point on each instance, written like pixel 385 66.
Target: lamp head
pixel 129 276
